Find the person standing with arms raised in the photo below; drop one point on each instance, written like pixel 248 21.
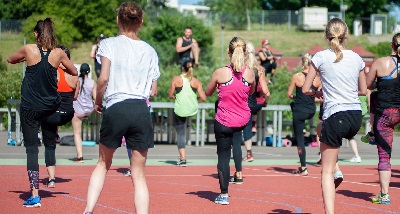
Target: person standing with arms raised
pixel 187 47
pixel 183 89
pixel 129 67
pixel 343 80
pixel 235 82
pixel 39 96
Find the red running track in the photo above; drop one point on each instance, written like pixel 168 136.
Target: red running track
pixel 267 189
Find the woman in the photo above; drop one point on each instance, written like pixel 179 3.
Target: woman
pixel 235 82
pixel 185 87
pixel 343 80
pixel 83 107
pixel 303 108
pixel 129 70
pixel 267 59
pixel 67 86
pixel 39 96
pixel 387 113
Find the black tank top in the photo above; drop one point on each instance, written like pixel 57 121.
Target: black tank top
pixel 388 90
pixel 302 102
pixel 39 86
pixel 185 54
pixel 266 61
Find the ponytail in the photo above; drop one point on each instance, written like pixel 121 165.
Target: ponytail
pixel 336 33
pixel 306 60
pixel 46 37
pixel 188 69
pixel 83 71
pixel 334 43
pixel 237 49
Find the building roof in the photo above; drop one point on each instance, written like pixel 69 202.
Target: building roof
pixel 274 51
pixel 362 52
pixel 313 50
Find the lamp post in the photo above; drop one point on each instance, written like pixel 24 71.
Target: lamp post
pixel 222 41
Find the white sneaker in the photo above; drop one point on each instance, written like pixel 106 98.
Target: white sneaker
pixel 356 160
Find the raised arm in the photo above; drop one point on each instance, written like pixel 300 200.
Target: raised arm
pixel 18 56
pixel 212 85
pixel 69 67
pixel 306 89
pixel 291 87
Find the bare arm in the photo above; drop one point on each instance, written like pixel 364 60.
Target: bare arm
pixel 93 51
pixel 263 82
pixel 212 85
pixel 291 87
pixel 102 83
pixel 262 56
pixel 306 89
pixel 94 91
pixel 372 74
pixel 154 88
pixel 76 91
pixel 362 85
pixel 179 47
pixel 171 92
pixel 18 56
pixel 69 67
pixel 202 95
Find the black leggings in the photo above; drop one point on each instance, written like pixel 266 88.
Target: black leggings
pixel 225 138
pixel 299 119
pixel 49 132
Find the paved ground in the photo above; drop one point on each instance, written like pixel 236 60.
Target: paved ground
pixel 167 154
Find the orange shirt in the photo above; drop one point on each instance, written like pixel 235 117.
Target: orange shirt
pixel 62 85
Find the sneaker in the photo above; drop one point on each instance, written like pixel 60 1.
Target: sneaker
pixel 248 158
pixel 51 183
pixel 303 172
pixel 79 160
pixel 319 162
pixel 181 163
pixel 338 178
pixel 222 200
pixel 32 202
pixel 381 199
pixel 127 173
pixel 355 160
pixel 235 180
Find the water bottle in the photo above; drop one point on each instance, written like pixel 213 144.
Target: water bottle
pixel 10 141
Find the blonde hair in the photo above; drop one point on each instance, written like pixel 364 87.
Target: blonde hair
pixel 306 60
pixel 396 44
pixel 237 49
pixel 251 61
pixel 130 16
pixel 188 69
pixel 336 32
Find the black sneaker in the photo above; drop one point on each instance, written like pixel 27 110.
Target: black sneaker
pixel 181 163
pixel 79 160
pixel 300 171
pixel 235 180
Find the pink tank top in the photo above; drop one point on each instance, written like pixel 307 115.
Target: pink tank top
pixel 233 109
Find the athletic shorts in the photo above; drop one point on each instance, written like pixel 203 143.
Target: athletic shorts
pixel 128 118
pixel 344 124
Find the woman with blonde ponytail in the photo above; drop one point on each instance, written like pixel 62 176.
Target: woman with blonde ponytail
pixel 303 108
pixel 39 98
pixel 183 89
pixel 235 82
pixel 385 71
pixel 343 80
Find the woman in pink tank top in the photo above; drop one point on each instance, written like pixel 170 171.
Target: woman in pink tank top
pixel 234 82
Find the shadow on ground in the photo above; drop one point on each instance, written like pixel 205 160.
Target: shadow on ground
pixel 205 194
pixel 366 196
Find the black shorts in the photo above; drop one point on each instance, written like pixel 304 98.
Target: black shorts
pixel 344 124
pixel 129 118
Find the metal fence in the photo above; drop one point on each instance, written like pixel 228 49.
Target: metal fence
pixel 10 25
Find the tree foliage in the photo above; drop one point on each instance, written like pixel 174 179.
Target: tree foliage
pixel 10 83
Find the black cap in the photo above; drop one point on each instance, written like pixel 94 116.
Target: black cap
pixel 84 68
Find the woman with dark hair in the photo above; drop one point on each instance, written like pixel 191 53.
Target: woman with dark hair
pixel 67 86
pixel 39 96
pixel 183 89
pixel 343 80
pixel 235 82
pixel 83 107
pixel 385 71
pixel 128 77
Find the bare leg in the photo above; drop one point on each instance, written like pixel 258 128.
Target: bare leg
pixel 182 153
pixel 77 127
pixel 248 144
pixel 329 158
pixel 138 163
pixel 384 180
pixel 195 53
pixel 98 176
pixel 353 144
pixel 51 170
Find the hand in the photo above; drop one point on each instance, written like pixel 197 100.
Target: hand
pixel 319 94
pixel 98 108
pixel 196 64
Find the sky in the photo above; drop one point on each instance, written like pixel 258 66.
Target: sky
pixel 189 1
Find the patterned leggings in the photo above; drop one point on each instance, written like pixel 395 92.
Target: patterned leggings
pixel 383 131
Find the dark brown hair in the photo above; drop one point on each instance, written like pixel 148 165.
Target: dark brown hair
pixel 46 36
pixel 130 16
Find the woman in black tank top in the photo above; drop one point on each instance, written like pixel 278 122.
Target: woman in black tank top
pixel 39 96
pixel 303 108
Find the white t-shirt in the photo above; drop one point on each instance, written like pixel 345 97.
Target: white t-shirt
pixel 339 80
pixel 134 66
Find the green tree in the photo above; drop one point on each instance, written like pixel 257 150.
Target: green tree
pixel 10 83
